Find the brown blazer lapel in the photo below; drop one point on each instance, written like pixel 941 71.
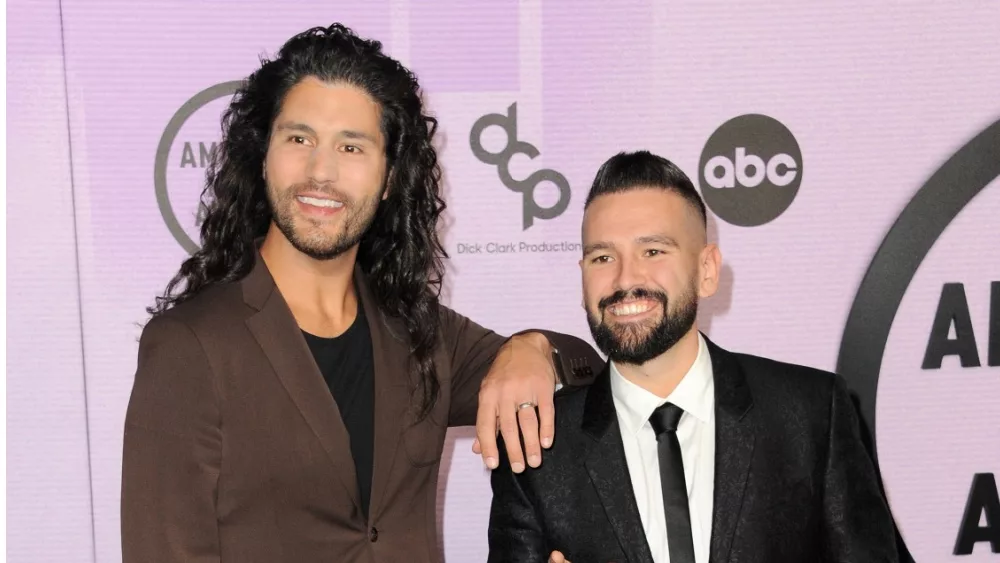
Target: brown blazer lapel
pixel 390 351
pixel 279 336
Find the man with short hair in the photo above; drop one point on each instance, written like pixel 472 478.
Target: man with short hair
pixel 681 451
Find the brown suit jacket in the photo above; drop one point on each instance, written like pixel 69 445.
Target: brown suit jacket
pixel 235 450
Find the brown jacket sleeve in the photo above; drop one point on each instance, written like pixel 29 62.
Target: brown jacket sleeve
pixel 172 452
pixel 472 349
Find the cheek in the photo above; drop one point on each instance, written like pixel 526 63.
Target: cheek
pixel 283 167
pixel 596 285
pixel 364 174
pixel 673 280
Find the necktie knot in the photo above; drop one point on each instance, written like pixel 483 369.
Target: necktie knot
pixel 665 418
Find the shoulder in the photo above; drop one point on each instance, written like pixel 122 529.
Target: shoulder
pixel 569 401
pixel 790 391
pixel 569 404
pixel 454 323
pixel 773 376
pixel 212 311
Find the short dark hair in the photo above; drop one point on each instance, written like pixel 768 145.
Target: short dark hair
pixel 642 169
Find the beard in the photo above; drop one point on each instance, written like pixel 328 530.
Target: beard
pixel 309 236
pixel 639 342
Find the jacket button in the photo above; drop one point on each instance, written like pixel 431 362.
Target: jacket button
pixel 373 534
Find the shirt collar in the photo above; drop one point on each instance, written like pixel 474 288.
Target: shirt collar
pixel 695 394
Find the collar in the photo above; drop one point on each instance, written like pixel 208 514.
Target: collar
pixel 695 393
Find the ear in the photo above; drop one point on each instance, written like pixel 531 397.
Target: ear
pixel 709 266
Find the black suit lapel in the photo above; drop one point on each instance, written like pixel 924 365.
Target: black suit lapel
pixel 605 462
pixel 734 443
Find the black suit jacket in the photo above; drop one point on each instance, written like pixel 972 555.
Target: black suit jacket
pixel 793 481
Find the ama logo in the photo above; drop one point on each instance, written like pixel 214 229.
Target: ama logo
pixel 186 147
pixel 923 338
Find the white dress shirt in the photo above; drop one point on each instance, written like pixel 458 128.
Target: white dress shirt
pixel 696 433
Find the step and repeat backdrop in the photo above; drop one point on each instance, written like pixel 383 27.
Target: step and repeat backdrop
pixel 849 153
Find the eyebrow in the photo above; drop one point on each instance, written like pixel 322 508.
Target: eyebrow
pixel 658 239
pixel 648 239
pixel 295 126
pixel 597 246
pixel 346 133
pixel 351 134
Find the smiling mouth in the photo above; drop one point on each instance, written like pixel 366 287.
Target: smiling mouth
pixel 320 202
pixel 631 308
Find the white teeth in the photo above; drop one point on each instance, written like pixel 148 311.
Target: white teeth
pixel 320 202
pixel 630 309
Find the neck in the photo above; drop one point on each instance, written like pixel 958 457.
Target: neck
pixel 661 375
pixel 320 293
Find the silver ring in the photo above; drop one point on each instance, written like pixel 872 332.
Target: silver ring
pixel 527 405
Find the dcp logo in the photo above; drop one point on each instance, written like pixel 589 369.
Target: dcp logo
pixel 502 161
pixel 184 152
pixel 750 170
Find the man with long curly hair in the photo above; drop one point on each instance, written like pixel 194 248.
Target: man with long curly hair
pixel 296 381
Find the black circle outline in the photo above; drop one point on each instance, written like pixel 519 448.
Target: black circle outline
pixel 918 227
pixel 198 101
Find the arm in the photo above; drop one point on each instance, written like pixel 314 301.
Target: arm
pixel 857 522
pixel 515 534
pixel 491 376
pixel 172 452
pixel 475 351
pixel 472 349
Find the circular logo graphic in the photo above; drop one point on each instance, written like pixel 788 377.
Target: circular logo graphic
pixel 184 152
pixel 929 505
pixel 750 170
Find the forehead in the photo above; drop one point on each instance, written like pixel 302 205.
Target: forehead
pixel 639 212
pixel 334 105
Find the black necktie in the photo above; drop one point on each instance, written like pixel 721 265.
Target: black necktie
pixel 675 499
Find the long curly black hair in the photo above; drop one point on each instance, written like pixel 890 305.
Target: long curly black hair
pixel 400 254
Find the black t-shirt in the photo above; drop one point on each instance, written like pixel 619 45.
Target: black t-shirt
pixel 349 370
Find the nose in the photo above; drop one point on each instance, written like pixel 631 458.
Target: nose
pixel 323 165
pixel 631 273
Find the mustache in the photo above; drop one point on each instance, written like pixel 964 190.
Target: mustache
pixel 637 293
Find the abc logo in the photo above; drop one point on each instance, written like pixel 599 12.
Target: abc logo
pixel 750 170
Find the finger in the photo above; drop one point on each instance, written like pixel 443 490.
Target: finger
pixel 529 431
pixel 557 557
pixel 486 428
pixel 547 420
pixel 509 429
pixel 476 448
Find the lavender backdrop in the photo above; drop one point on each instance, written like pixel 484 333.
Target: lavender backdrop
pixel 877 97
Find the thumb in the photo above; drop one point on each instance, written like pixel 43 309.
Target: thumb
pixel 557 557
